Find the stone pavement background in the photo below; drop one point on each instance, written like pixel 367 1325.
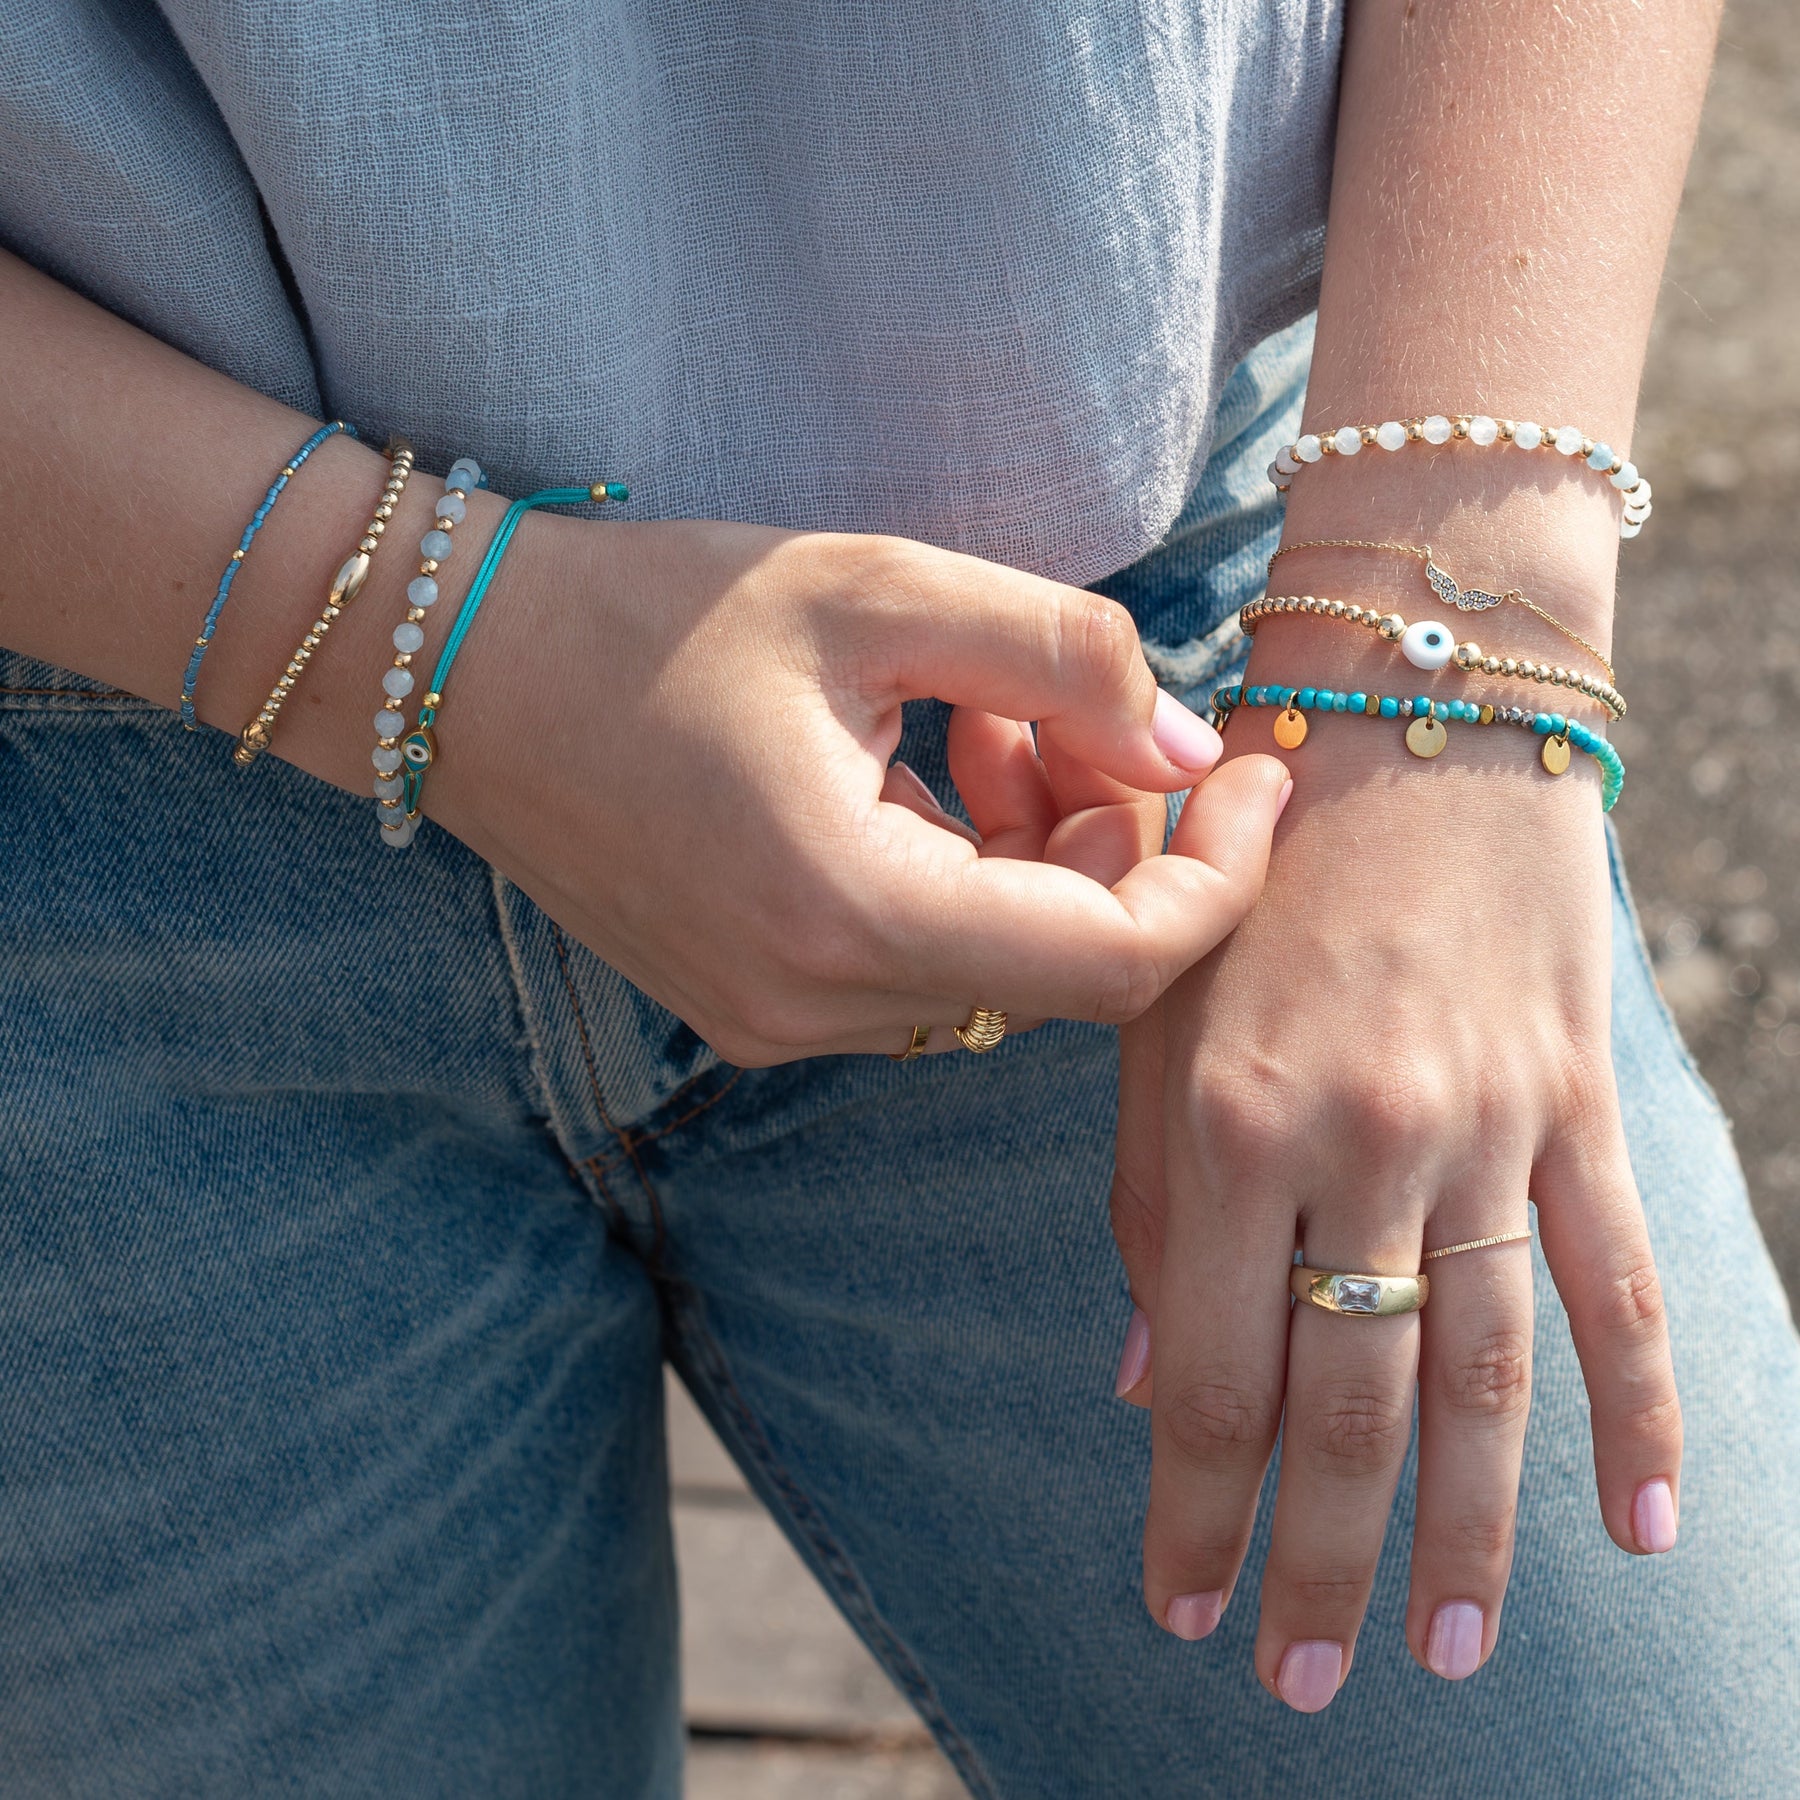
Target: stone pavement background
pixel 783 1702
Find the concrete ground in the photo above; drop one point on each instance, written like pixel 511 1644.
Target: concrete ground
pixel 783 1703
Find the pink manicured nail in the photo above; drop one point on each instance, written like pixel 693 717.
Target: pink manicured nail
pixel 1134 1365
pixel 909 777
pixel 1287 793
pixel 1308 1679
pixel 1653 1517
pixel 1194 1616
pixel 1182 736
pixel 1453 1645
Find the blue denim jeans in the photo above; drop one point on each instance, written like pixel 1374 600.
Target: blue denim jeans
pixel 348 1212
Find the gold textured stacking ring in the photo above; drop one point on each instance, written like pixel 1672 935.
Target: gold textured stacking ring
pixel 982 1030
pixel 915 1045
pixel 1370 1296
pixel 1505 1237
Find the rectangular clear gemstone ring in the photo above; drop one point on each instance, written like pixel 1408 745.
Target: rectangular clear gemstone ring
pixel 1367 1296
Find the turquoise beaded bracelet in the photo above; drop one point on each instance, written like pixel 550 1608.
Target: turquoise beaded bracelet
pixel 1425 735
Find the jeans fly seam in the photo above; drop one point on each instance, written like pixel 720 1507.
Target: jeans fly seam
pixel 834 1564
pixel 624 1137
pixel 693 1112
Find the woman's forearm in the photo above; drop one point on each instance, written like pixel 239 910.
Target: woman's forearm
pixel 1506 181
pixel 129 473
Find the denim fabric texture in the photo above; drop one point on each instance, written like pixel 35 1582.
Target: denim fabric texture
pixel 973 271
pixel 348 1211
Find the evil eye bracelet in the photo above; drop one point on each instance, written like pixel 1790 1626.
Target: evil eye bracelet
pixel 397 828
pixel 415 754
pixel 346 584
pixel 1478 429
pixel 1430 645
pixel 204 641
pixel 1444 585
pixel 1425 734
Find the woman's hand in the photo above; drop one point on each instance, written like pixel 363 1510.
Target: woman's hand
pixel 675 738
pixel 1406 1041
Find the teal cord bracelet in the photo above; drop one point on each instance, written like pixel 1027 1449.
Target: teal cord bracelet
pixel 418 749
pixel 1425 734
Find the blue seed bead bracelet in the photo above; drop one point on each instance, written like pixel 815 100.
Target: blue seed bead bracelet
pixel 1425 734
pixel 204 641
pixel 412 758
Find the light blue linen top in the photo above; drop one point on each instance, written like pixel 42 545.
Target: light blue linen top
pixel 970 270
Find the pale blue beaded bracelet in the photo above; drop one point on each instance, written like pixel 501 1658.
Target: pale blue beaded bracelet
pixel 204 641
pixel 1425 735
pixel 397 827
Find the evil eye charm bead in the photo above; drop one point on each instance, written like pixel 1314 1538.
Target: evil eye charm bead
pixel 1427 644
pixel 417 749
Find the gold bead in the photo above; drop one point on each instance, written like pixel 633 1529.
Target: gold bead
pixel 237 556
pixel 432 700
pixel 1506 430
pixel 1587 448
pixel 1468 655
pixel 1336 609
pixel 1459 427
pixel 429 566
pixel 1487 713
pixel 384 511
pixel 1393 627
pixel 1490 665
pixel 1510 666
pixel 367 544
pixel 288 470
pixel 1415 429
pixel 401 660
pixel 1559 676
pixel 377 526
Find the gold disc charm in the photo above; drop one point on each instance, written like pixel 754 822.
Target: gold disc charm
pixel 1556 754
pixel 1290 728
pixel 1426 737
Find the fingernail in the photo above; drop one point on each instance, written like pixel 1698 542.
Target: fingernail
pixel 1653 1517
pixel 910 779
pixel 1308 1678
pixel 1183 736
pixel 1453 1645
pixel 1194 1616
pixel 1287 793
pixel 1134 1364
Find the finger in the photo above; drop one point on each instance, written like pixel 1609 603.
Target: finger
pixel 902 787
pixel 1474 1394
pixel 1218 1352
pixel 1344 1436
pixel 1598 1248
pixel 979 635
pixel 1138 1198
pixel 1044 942
pixel 1003 785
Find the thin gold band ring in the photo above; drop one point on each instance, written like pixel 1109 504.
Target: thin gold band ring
pixel 1505 1237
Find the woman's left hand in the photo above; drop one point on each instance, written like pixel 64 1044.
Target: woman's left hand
pixel 1406 1040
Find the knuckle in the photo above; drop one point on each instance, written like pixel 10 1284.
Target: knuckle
pixel 1475 1537
pixel 1405 1106
pixel 1129 988
pixel 1358 1431
pixel 1631 1301
pixel 1492 1378
pixel 1212 1419
pixel 1651 1424
pixel 1243 1123
pixel 1326 1593
pixel 1100 640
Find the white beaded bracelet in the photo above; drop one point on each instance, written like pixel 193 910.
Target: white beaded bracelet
pixel 397 825
pixel 1474 428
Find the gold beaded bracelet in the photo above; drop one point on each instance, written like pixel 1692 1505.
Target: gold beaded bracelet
pixel 346 584
pixel 1443 584
pixel 1427 645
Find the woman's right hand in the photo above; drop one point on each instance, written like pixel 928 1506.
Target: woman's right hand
pixel 675 738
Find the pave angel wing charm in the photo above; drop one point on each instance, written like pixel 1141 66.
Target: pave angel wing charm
pixel 1468 599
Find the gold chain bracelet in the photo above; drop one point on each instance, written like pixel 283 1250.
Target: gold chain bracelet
pixel 254 739
pixel 1443 584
